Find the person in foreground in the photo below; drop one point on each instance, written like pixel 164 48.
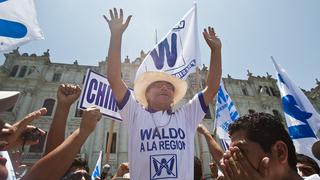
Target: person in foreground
pixel 161 140
pixel 260 148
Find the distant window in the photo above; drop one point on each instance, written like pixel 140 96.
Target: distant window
pixel 49 104
pixel 113 144
pixel 267 90
pixel 272 91
pixel 251 111
pixel 38 148
pixel 84 77
pixel 14 71
pixel 244 91
pixel 56 77
pixel 22 71
pixel 78 112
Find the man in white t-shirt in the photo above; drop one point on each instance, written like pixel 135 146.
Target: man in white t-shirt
pixel 161 141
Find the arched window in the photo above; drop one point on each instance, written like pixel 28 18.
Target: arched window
pixel 244 91
pixel 49 104
pixel 22 71
pixel 14 71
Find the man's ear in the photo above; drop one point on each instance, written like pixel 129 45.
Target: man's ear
pixel 280 152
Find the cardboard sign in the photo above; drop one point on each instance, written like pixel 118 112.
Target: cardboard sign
pixel 97 92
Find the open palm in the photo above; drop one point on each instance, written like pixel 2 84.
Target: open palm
pixel 115 21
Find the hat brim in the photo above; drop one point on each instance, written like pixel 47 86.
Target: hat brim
pixel 144 80
pixel 8 99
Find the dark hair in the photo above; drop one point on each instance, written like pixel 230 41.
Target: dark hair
pixel 265 129
pixel 79 162
pixel 303 159
pixel 197 168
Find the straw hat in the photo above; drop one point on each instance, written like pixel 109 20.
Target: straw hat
pixel 8 99
pixel 144 80
pixel 316 149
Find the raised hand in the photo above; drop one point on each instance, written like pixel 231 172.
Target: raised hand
pixel 202 129
pixel 115 21
pixel 89 120
pixel 212 40
pixel 12 134
pixel 67 94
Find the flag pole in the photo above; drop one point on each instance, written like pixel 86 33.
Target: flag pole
pixel 109 141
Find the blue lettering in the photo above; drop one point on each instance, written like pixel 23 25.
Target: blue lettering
pixel 142 148
pixel 173 133
pixel 156 134
pixel 100 94
pixel 181 133
pixel 107 97
pixel 164 134
pixel 145 133
pixel 164 48
pixel 93 85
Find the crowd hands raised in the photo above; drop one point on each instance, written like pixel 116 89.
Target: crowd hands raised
pixel 260 148
pixel 59 152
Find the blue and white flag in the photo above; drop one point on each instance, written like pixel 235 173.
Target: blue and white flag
pixel 18 24
pixel 226 113
pixel 97 169
pixel 302 119
pixel 178 52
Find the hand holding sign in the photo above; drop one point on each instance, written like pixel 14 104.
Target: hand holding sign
pixel 89 120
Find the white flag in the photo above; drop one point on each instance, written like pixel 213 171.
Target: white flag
pixel 97 169
pixel 178 53
pixel 226 113
pixel 302 119
pixel 18 24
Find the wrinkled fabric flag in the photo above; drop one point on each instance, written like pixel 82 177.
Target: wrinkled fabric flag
pixel 226 113
pixel 178 53
pixel 18 24
pixel 97 169
pixel 302 119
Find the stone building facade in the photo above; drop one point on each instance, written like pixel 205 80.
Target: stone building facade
pixel 37 78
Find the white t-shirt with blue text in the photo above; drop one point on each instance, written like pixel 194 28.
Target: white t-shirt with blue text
pixel 166 153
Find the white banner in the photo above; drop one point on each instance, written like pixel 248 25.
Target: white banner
pixel 178 53
pixel 97 92
pixel 226 113
pixel 302 119
pixel 18 24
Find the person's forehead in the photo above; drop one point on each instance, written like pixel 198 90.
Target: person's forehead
pixel 239 138
pixel 161 82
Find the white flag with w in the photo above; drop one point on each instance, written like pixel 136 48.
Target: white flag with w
pixel 302 119
pixel 226 113
pixel 178 52
pixel 18 24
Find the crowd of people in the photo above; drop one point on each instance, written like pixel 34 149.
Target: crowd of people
pixel 161 138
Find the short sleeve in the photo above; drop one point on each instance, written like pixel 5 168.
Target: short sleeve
pixel 195 110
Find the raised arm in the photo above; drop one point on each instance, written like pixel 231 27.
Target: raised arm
pixel 58 161
pixel 67 94
pixel 215 71
pixel 113 68
pixel 214 148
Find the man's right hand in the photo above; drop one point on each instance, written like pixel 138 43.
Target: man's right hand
pixel 116 22
pixel 67 94
pixel 90 118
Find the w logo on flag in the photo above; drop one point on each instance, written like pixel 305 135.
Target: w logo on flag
pixel 178 53
pixel 18 24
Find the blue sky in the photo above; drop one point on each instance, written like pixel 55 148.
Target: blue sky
pixel 251 31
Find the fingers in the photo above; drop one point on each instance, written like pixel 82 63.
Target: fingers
pixel 105 17
pixel 111 14
pixel 121 14
pixel 115 12
pixel 127 21
pixel 30 117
